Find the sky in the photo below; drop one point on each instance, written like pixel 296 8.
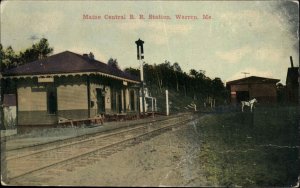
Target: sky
pixel 256 37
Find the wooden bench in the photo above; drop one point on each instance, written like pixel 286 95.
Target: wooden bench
pixel 98 119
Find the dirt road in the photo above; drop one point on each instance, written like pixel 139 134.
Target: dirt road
pixel 165 160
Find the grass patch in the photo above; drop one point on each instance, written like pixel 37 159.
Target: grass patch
pixel 250 149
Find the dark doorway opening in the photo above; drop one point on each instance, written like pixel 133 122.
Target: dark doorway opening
pixel 132 105
pixel 100 100
pixel 119 102
pixel 52 100
pixel 113 100
pixel 242 96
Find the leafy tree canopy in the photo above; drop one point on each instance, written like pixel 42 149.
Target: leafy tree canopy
pixel 113 63
pixel 195 84
pixel 10 59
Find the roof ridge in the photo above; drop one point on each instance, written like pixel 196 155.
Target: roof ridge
pixel 249 78
pixel 66 62
pixel 81 55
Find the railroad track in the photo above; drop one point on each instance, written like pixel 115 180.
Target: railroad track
pixel 33 166
pixel 30 149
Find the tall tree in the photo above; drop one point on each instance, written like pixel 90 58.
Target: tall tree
pixel 158 77
pixel 42 48
pixel 113 63
pixel 177 69
pixel 10 59
pixel 39 50
pixel 195 84
pixel 133 71
pixel 1 52
pixel 91 55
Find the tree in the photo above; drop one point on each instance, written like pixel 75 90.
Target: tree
pixel 91 55
pixel 42 48
pixel 217 87
pixel 29 55
pixel 113 63
pixel 158 77
pixel 1 52
pixel 133 71
pixel 39 50
pixel 10 59
pixel 177 69
pixel 193 73
pixel 195 84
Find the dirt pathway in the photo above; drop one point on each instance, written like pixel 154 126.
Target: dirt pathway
pixel 169 159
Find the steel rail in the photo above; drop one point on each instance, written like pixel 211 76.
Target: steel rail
pixel 96 149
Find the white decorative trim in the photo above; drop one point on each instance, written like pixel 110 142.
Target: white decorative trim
pixel 71 74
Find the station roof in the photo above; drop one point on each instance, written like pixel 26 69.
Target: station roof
pixel 68 63
pixel 253 80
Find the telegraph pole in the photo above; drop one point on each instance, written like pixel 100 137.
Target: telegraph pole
pixel 245 73
pixel 140 56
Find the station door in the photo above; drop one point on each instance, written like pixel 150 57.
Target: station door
pixel 100 101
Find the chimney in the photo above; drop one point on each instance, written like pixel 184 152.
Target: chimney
pixel 291 59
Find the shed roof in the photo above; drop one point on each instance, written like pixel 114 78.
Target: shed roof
pixel 253 80
pixel 68 62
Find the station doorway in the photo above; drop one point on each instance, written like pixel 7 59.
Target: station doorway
pixel 100 101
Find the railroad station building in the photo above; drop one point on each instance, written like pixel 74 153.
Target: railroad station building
pixel 263 89
pixel 72 86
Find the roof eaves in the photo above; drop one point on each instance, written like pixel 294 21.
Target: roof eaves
pixel 69 74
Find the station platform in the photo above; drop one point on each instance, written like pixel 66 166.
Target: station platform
pixel 44 135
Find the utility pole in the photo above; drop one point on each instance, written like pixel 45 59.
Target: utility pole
pixel 245 73
pixel 140 56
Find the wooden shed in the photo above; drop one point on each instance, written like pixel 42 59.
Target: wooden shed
pixel 263 89
pixel 71 86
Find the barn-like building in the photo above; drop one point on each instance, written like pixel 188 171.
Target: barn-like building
pixel 70 86
pixel 263 89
